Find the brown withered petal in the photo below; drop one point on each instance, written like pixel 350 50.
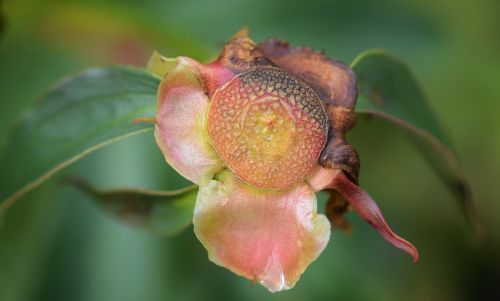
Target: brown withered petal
pixel 332 79
pixel 336 208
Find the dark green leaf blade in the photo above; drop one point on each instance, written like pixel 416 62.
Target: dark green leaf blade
pixel 161 212
pixel 390 92
pixel 76 117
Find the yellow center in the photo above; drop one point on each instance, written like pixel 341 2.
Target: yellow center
pixel 267 126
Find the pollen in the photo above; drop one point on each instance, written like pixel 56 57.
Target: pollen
pixel 268 127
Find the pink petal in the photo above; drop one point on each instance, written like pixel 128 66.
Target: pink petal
pixel 265 236
pixel 180 130
pixel 320 177
pixel 366 207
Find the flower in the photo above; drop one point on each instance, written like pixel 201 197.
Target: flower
pixel 261 130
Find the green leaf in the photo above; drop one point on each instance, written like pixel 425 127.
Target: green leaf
pixel 389 91
pixel 161 212
pixel 75 118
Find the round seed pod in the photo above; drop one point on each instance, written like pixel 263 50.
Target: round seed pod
pixel 268 126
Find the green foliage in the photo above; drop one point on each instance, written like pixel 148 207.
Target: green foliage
pixel 161 212
pixel 80 115
pixel 390 92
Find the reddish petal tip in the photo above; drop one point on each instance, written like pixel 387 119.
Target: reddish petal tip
pixel 398 241
pixel 366 208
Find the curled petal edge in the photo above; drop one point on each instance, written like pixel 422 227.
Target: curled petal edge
pixel 362 203
pixel 160 65
pixel 180 124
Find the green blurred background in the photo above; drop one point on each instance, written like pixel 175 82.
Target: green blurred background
pixel 56 244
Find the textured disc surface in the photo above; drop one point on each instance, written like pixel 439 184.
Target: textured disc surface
pixel 268 127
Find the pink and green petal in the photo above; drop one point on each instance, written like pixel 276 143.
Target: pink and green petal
pixel 366 208
pixel 180 130
pixel 161 65
pixel 266 236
